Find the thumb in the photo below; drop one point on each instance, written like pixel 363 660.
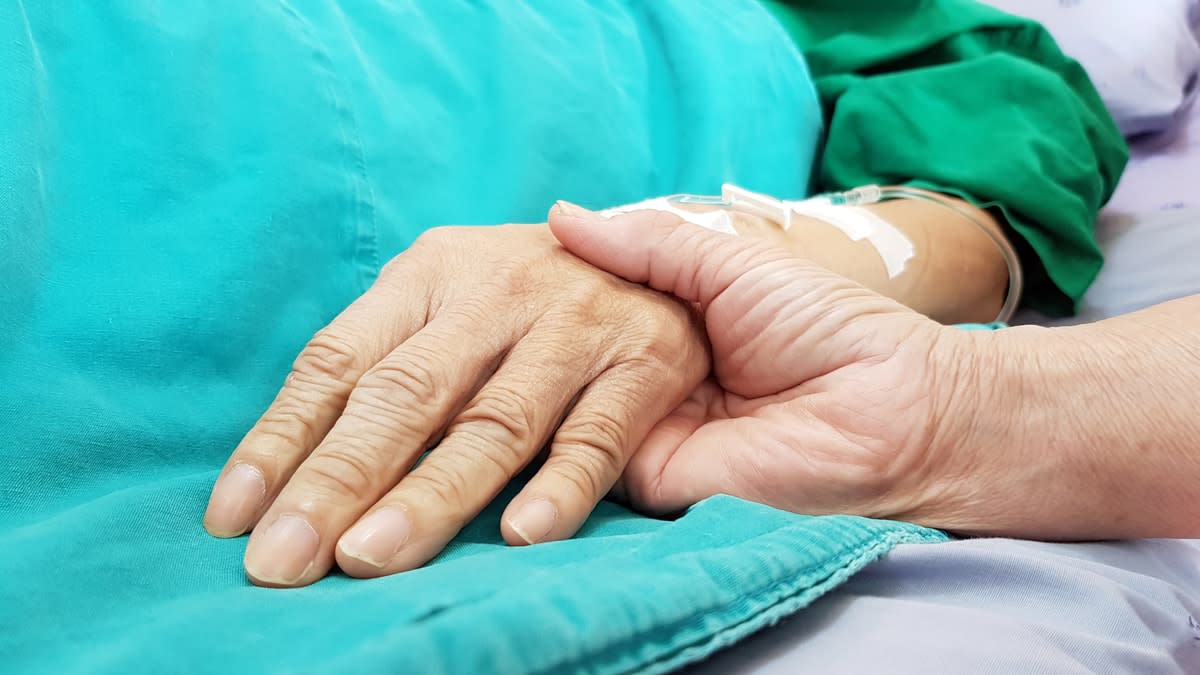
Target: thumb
pixel 661 250
pixel 783 318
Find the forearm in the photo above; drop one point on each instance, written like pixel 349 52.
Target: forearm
pixel 958 274
pixel 1079 433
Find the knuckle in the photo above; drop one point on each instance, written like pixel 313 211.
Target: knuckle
pixel 412 265
pixel 667 323
pixel 518 275
pixel 432 238
pixel 596 438
pixel 446 485
pixel 328 356
pixel 499 416
pixel 595 301
pixel 437 236
pixel 343 472
pixel 482 448
pixel 394 269
pixel 487 305
pixel 578 473
pixel 395 385
pixel 290 423
pixel 661 337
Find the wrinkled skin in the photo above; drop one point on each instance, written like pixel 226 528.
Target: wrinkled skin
pixel 485 338
pixel 824 398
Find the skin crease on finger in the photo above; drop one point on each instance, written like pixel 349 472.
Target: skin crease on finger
pixel 501 286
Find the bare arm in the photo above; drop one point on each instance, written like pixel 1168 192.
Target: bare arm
pixel 957 275
pixel 1078 433
pixel 830 399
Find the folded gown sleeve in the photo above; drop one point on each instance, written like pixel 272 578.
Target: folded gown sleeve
pixel 958 97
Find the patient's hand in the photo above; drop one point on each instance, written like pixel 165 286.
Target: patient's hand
pixel 827 398
pixel 484 337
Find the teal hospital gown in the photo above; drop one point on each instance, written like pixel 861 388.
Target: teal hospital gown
pixel 189 190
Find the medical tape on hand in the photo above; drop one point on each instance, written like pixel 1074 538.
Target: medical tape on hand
pixel 859 223
pixel 855 222
pixel 717 220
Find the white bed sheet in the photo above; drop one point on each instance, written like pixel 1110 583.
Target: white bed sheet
pixel 1003 606
pixel 995 606
pixel 1163 172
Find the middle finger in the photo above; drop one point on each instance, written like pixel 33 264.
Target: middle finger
pixel 495 436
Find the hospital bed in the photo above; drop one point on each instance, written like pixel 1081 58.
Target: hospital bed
pixel 961 606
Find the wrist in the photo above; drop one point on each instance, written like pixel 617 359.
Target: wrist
pixel 1036 441
pixel 988 471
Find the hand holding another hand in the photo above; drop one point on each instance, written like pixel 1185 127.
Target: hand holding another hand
pixel 825 397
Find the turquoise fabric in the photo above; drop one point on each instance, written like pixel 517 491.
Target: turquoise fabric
pixel 188 190
pixel 995 325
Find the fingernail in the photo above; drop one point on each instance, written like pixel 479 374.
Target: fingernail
pixel 236 498
pixel 569 209
pixel 284 552
pixel 534 520
pixel 377 538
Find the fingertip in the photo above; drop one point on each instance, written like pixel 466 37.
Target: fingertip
pixel 565 215
pixel 286 553
pixel 531 520
pixel 569 224
pixel 568 209
pixel 372 548
pixel 355 566
pixel 654 247
pixel 237 497
pixel 614 244
pixel 216 531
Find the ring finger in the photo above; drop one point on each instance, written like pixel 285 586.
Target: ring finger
pixel 494 437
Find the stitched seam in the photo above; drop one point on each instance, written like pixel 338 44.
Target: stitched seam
pixel 793 600
pixel 764 605
pixel 795 597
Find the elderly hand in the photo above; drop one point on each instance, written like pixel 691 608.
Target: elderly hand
pixel 826 397
pixel 486 338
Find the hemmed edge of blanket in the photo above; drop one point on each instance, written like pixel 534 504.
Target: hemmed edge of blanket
pixel 793 601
